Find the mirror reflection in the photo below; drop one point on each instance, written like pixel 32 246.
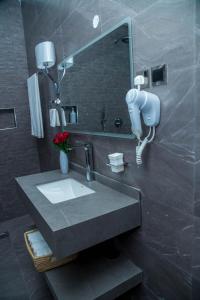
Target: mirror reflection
pixel 95 84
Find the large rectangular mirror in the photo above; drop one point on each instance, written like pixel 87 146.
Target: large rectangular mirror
pixel 97 79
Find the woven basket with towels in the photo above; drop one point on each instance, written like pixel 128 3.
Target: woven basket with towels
pixel 41 254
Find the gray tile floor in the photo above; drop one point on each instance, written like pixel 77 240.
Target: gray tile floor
pixel 12 285
pixel 18 278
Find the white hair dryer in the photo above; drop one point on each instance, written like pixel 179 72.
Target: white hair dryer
pixel 145 104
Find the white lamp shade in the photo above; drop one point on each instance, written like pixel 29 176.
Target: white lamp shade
pixel 45 55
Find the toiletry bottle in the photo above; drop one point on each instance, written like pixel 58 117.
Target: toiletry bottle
pixel 73 116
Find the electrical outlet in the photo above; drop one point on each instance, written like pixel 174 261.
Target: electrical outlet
pixel 146 74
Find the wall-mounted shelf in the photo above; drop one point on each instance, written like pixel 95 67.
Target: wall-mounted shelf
pixel 95 278
pixel 68 109
pixel 7 118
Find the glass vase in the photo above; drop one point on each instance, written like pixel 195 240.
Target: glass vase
pixel 64 162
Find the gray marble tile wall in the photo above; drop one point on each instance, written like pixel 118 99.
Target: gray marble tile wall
pixel 164 32
pixel 18 151
pixel 196 242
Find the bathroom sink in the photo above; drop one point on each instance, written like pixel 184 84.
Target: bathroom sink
pixel 64 190
pixel 94 213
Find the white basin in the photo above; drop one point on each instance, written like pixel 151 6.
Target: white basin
pixel 63 190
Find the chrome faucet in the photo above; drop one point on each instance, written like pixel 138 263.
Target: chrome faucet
pixel 88 159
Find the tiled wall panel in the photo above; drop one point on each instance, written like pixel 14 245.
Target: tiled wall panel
pixel 18 150
pixel 163 33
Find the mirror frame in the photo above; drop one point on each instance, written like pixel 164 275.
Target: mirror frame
pixel 127 21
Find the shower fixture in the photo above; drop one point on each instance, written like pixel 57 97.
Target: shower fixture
pixel 45 59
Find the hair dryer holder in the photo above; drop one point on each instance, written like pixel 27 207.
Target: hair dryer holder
pixel 145 104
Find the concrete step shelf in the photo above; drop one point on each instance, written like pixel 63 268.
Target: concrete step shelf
pixel 93 278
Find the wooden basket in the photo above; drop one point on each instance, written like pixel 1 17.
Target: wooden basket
pixel 44 263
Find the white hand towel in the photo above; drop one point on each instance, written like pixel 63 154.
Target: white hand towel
pixel 57 118
pixel 54 117
pixel 37 129
pixel 64 123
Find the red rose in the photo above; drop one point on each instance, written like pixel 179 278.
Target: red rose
pixel 60 137
pixel 65 135
pixel 56 140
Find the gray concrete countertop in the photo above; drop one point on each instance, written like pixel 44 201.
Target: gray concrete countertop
pixel 77 224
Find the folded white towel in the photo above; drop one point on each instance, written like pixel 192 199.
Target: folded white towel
pixel 54 117
pixel 41 249
pixel 38 244
pixel 37 129
pixel 35 237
